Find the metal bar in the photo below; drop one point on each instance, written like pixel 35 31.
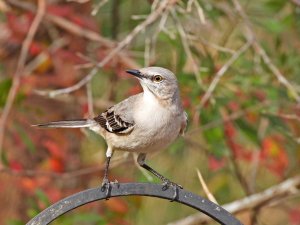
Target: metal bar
pixel 140 189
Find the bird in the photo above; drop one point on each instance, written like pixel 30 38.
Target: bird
pixel 143 123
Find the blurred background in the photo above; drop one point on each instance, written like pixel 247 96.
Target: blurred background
pixel 238 67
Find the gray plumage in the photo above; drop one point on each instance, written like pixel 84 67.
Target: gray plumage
pixel 143 123
pixel 65 124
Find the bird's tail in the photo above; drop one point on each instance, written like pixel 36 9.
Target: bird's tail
pixel 66 124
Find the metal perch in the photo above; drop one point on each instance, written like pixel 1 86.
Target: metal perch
pixel 140 189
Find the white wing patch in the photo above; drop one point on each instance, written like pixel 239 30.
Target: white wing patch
pixel 113 123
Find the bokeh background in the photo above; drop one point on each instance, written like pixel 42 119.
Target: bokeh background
pixel 238 67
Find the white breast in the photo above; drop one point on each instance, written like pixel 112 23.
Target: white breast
pixel 156 125
pixel 150 113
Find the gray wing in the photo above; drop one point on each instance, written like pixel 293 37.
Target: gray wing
pixel 119 118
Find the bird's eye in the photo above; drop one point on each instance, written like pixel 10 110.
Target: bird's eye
pixel 157 78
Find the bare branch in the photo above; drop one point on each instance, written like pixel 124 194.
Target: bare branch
pixel 90 101
pixel 277 193
pixel 164 5
pixel 210 44
pixel 218 76
pixel 209 195
pixel 234 162
pixel 77 30
pixel 198 8
pixel 186 46
pixel 79 1
pixel 234 116
pixel 20 67
pixel 66 175
pixel 98 6
pixel 297 2
pixel 250 34
pixel 3 6
pixel 147 52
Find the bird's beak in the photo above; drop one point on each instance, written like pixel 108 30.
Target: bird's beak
pixel 135 73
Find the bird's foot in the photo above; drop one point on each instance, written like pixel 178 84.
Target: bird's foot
pixel 167 184
pixel 106 187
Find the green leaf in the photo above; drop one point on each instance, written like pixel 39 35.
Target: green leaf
pixel 81 218
pixel 32 212
pixel 26 139
pixel 275 6
pixel 4 90
pixel 273 25
pixel 14 222
pixel 177 146
pixel 248 130
pixel 4 158
pixel 42 196
pixel 276 122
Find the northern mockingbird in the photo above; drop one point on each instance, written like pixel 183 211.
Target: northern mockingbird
pixel 143 123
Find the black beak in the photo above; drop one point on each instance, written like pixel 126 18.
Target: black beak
pixel 136 73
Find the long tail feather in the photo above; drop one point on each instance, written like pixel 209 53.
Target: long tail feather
pixel 66 124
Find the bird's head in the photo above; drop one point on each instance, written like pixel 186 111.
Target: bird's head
pixel 159 81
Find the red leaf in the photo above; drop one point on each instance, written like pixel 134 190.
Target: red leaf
pixel 56 165
pixel 60 10
pixel 29 184
pixel 117 205
pixel 274 155
pixel 53 193
pixel 16 166
pixel 85 109
pixel 215 164
pixel 233 106
pixel 186 102
pixel 68 56
pixel 35 48
pixel 260 95
pixel 229 130
pixel 19 25
pixel 134 90
pixel 294 216
pixel 237 150
pixel 54 149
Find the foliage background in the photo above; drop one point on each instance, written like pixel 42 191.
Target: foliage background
pixel 237 63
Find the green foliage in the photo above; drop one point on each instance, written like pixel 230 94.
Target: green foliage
pixel 81 218
pixel 5 85
pixel 251 113
pixel 14 222
pixel 26 139
pixel 42 196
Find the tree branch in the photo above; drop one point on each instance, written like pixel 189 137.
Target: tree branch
pixel 20 67
pixel 164 5
pixel 269 196
pixel 250 34
pixel 218 77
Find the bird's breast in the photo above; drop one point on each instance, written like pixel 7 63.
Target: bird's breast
pixel 156 128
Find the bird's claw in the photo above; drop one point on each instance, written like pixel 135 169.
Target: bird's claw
pixel 106 186
pixel 167 184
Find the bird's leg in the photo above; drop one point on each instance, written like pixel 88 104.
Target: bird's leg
pixel 105 178
pixel 166 182
pixel 105 183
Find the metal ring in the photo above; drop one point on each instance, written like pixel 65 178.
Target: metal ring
pixel 140 189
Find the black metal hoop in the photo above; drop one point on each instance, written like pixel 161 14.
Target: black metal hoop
pixel 141 189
